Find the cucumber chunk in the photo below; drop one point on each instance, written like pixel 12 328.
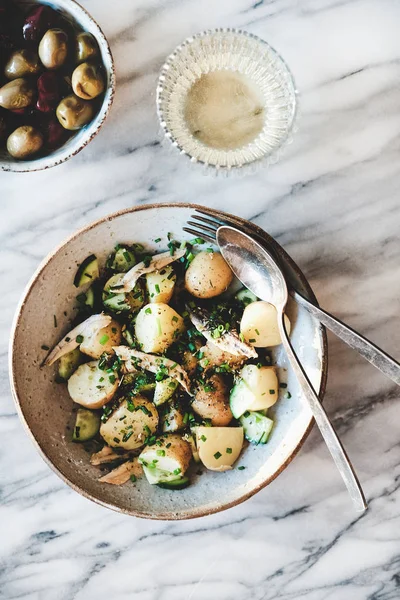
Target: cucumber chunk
pixel 120 302
pixel 87 271
pixel 241 399
pixel 177 484
pixel 256 427
pixel 69 363
pixel 164 390
pixel 87 425
pixel 246 296
pixel 124 260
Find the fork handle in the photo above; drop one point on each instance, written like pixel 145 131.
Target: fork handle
pixel 332 441
pixel 367 349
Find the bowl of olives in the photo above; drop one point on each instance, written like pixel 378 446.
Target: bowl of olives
pixel 57 82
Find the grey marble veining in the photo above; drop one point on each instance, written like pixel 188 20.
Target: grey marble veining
pixel 333 202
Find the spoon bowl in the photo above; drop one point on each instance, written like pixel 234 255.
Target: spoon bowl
pixel 253 266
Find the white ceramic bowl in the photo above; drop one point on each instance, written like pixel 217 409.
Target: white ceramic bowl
pixel 85 135
pixel 45 407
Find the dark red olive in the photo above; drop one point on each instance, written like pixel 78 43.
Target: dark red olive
pixel 39 20
pixel 54 134
pixel 49 92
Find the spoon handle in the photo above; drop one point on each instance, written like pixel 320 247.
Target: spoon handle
pixel 325 426
pixel 367 349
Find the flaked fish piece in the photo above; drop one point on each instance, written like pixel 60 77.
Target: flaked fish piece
pixel 228 341
pixel 106 455
pixel 69 343
pixel 134 360
pixel 159 261
pixel 212 356
pixel 122 474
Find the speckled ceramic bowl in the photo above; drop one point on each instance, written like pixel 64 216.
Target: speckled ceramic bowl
pixel 85 135
pixel 45 407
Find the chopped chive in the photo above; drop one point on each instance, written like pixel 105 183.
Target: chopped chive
pixel 101 379
pixel 252 341
pixel 157 240
pixel 104 339
pixel 186 418
pixel 203 438
pixel 168 445
pixel 127 436
pixel 79 339
pixel 55 320
pixel 44 347
pixel 177 471
pixel 197 240
pixel 67 339
pixel 157 288
pixel 241 337
pixel 288 395
pixel 257 332
pixel 272 391
pixel 229 450
pixel 116 440
pixel 217 455
pixel 241 468
pixel 130 406
pixel 160 452
pixel 126 256
pixel 148 311
pixel 111 379
pixel 146 261
pixel 283 385
pixel 133 478
pixel 175 319
pixel 210 250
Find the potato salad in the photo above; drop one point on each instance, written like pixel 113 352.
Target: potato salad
pixel 167 363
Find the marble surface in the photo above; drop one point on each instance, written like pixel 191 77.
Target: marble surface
pixel 333 203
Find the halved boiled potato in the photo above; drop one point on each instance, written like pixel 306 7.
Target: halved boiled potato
pixel 259 325
pixel 167 460
pixel 263 382
pixel 256 390
pixel 130 424
pixel 157 327
pixel 219 447
pixel 160 285
pixel 103 340
pixel 91 387
pixel 208 275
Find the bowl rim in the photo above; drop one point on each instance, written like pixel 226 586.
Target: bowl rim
pixel 29 165
pixel 169 515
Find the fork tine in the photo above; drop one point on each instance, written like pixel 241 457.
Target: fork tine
pixel 211 218
pixel 199 234
pixel 215 224
pixel 207 229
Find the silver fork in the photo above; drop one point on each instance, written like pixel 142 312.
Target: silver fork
pixel 206 227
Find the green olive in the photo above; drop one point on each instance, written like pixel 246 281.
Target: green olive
pixel 86 47
pixel 73 112
pixel 18 93
pixel 53 48
pixel 87 81
pixel 24 142
pixel 21 63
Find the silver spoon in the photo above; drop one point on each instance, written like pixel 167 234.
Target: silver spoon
pixel 258 271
